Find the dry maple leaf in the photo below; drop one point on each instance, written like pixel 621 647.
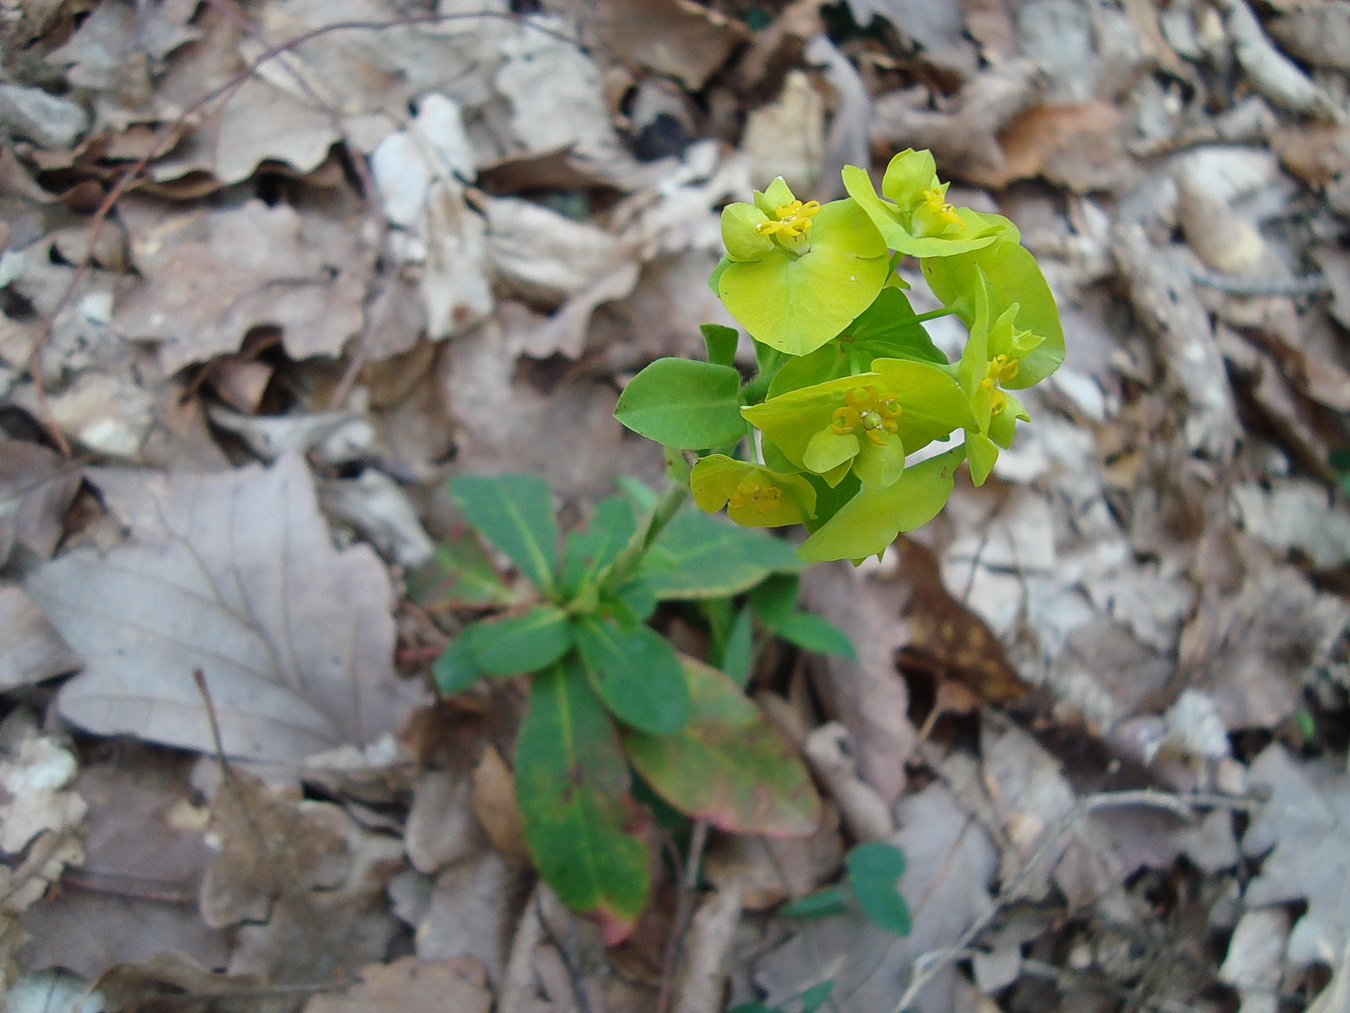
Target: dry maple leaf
pixel 1304 831
pixel 233 574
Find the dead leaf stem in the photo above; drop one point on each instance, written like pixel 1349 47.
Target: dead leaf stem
pixel 684 909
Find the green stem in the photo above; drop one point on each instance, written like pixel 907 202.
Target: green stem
pixel 665 510
pixel 946 311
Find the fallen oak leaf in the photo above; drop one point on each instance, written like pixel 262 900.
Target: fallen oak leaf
pixel 233 574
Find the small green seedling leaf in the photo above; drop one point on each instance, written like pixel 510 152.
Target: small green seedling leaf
pixel 515 513
pixel 721 342
pixel 874 871
pixel 518 644
pixel 774 602
pixel 814 997
pixel 572 788
pixel 456 670
pixel 587 553
pixel 728 765
pixel 684 404
pixel 825 903
pixel 458 575
pixel 698 556
pixel 637 674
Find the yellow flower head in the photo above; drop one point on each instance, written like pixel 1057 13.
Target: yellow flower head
pixel 791 220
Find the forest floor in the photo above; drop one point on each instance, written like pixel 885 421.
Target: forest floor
pixel 274 271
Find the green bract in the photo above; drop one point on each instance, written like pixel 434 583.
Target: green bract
pixel 797 273
pixel 849 383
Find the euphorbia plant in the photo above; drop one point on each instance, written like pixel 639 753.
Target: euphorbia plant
pixel 849 386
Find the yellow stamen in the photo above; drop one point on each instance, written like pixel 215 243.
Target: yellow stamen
pixel 936 203
pixel 793 219
pixel 868 411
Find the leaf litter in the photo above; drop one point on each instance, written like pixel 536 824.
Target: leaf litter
pixel 1099 702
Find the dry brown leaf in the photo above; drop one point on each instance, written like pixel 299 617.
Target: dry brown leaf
pixel 234 575
pixel 31 649
pixel 441 826
pixel 786 137
pixel 494 803
pixel 144 854
pixel 867 695
pixel 1080 147
pixel 682 39
pixel 410 985
pixel 1163 293
pixel 39 817
pixel 1253 650
pixel 1304 834
pixel 471 910
pixel 963 132
pixel 306 868
pixel 209 277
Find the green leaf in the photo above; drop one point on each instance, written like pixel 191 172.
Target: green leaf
pixel 635 599
pixel 821 904
pixel 814 633
pixel 775 601
pixel 814 997
pixel 888 328
pixel 459 574
pixel 456 670
pixel 869 522
pixel 874 871
pixel 890 220
pixel 796 303
pixel 587 553
pixel 515 513
pixel 636 673
pixel 523 643
pixel 739 650
pixel 721 342
pixel 698 556
pixel 572 789
pixel 728 765
pixel 1013 277
pixel 684 404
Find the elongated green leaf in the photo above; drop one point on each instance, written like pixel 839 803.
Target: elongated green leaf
pixel 874 871
pixel 739 651
pixel 636 673
pixel 684 404
pixel 728 764
pixel 459 574
pixel 572 788
pixel 587 553
pixel 515 513
pixel 814 633
pixel 523 643
pixel 721 342
pixel 455 670
pixel 699 556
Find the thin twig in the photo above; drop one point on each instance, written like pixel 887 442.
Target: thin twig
pixel 684 906
pixel 574 976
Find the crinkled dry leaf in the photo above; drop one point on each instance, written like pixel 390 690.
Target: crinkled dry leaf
pixel 144 855
pixel 209 277
pixel 682 39
pixel 411 985
pixel 1304 834
pixel 1252 651
pixel 233 575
